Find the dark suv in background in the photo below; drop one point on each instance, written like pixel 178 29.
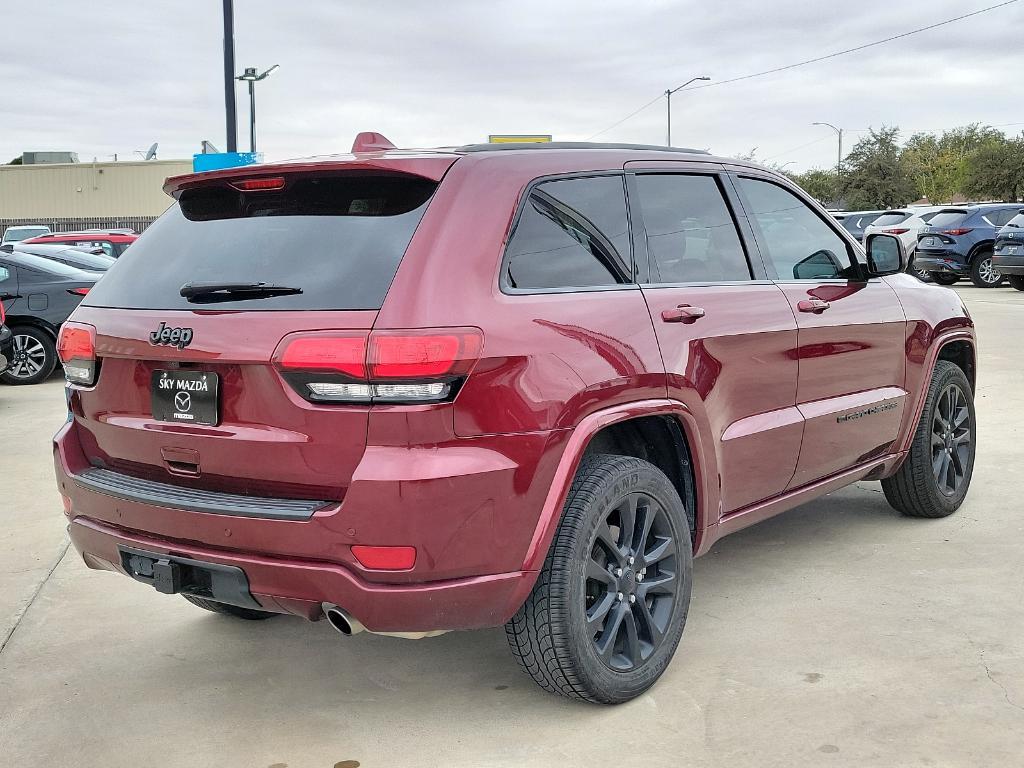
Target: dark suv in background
pixel 958 242
pixel 1008 254
pixel 420 391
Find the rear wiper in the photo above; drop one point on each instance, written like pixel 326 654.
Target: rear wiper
pixel 221 291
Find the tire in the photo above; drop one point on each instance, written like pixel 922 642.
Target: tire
pixel 35 356
pixel 250 614
pixel 916 489
pixel 550 636
pixel 1016 281
pixel 943 278
pixel 920 274
pixel 983 274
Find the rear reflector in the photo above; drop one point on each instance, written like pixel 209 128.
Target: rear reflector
pixel 76 348
pixel 385 558
pixel 259 185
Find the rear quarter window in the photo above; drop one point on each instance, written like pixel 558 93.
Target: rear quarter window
pixel 571 233
pixel 337 238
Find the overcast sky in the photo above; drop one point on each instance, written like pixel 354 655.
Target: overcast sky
pixel 113 76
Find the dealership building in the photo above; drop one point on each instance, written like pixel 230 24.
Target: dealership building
pixel 71 195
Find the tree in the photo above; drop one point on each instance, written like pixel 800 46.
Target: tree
pixel 819 184
pixel 995 170
pixel 874 174
pixel 16 161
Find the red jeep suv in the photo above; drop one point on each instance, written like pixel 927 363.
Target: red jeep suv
pixel 519 385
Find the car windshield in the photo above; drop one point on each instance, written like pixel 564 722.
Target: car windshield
pixel 49 266
pixel 890 218
pixel 14 234
pixel 948 218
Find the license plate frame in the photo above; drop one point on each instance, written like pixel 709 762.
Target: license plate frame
pixel 185 397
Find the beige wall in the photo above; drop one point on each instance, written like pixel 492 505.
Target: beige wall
pixel 82 190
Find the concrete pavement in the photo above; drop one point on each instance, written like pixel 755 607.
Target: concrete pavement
pixel 838 634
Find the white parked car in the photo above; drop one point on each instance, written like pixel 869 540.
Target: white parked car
pixel 906 224
pixel 24 232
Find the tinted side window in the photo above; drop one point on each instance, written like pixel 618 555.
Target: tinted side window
pixel 572 233
pixel 797 242
pixel 691 235
pixel 1001 216
pixel 5 274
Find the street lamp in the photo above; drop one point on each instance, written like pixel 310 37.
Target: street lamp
pixel 250 77
pixel 839 157
pixel 668 105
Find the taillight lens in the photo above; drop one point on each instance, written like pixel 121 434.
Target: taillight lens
pixel 895 231
pixel 78 291
pixel 380 367
pixel 76 348
pixel 958 231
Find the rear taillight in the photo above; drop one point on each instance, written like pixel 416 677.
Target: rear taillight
pixel 78 291
pixel 380 367
pixel 958 231
pixel 895 231
pixel 76 348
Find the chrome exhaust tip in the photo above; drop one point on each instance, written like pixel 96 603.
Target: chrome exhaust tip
pixel 342 621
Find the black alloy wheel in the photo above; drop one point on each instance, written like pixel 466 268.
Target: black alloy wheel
pixel 630 582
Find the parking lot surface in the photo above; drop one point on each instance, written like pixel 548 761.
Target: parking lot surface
pixel 838 634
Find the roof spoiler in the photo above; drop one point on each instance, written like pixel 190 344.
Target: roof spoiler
pixel 369 141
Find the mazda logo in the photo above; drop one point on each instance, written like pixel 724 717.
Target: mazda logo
pixel 183 401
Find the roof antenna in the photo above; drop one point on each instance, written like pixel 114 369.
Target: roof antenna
pixel 369 141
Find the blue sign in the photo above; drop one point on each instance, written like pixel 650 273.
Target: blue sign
pixel 216 161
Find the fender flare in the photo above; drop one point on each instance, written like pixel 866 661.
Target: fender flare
pixel 984 245
pixel 910 428
pixel 572 455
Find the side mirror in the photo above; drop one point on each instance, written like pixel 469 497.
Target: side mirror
pixel 820 265
pixel 886 255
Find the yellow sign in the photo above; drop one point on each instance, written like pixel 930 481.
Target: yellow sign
pixel 518 139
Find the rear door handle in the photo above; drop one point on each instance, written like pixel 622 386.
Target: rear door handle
pixel 817 306
pixel 684 313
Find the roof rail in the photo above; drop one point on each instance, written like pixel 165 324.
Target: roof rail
pixel 576 145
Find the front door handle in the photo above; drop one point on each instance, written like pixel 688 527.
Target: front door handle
pixel 684 313
pixel 817 306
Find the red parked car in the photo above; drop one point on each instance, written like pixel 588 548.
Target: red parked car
pixel 420 391
pixel 112 241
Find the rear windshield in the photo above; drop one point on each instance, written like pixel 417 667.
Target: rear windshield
pixel 49 266
pixel 337 239
pixel 947 218
pixel 888 219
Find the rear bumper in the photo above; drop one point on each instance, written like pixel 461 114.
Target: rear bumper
pixel 6 347
pixel 1008 265
pixel 470 508
pixel 949 262
pixel 298 587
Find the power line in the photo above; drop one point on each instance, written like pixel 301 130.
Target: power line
pixel 819 58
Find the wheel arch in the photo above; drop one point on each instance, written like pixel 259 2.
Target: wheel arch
pixel 654 430
pixel 957 346
pixel 14 321
pixel 984 245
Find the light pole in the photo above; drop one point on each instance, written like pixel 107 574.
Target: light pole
pixel 250 77
pixel 839 157
pixel 668 106
pixel 231 129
